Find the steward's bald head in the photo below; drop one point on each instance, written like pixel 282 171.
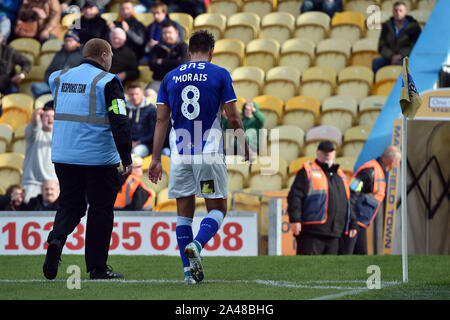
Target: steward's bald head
pixel 98 50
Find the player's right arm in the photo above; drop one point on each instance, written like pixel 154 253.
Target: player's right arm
pixel 235 122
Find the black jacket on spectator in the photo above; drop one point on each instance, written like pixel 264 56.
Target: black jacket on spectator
pixel 125 60
pixel 63 60
pixel 135 35
pixel 337 204
pixel 5 204
pixel 171 58
pixel 9 57
pixel 92 28
pixel 37 204
pixel 142 122
pixel 389 44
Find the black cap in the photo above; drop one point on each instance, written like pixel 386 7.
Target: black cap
pixel 326 146
pixel 90 3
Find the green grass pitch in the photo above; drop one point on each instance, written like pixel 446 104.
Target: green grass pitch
pixel 233 278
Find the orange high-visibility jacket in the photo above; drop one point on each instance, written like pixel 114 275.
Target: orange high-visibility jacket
pixel 126 193
pixel 368 204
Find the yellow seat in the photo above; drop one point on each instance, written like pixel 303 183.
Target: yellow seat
pixel 213 22
pixel 302 111
pixel 262 53
pixel 347 164
pixel 388 5
pixel 12 160
pixel 109 16
pixel 146 18
pixel 51 45
pixel 229 53
pixel 18 143
pixel 6 134
pixel 268 173
pixel 9 176
pixel 385 79
pixel 27 45
pixel 333 53
pixel 318 82
pixel 348 25
pixel 21 100
pixel 369 109
pixel 297 53
pixel 359 5
pixel 42 100
pixel 243 26
pixel 225 7
pixel 145 74
pixel 69 19
pixel 260 7
pixel 278 26
pixel 354 140
pixel 291 6
pixel 286 141
pixel 421 16
pixel 320 133
pixel 363 52
pixel 238 172
pixel 185 21
pixel 282 82
pixel 294 167
pixel 248 81
pixel 355 81
pixel 36 74
pixel 339 111
pixel 45 59
pixel 313 25
pixel 426 4
pixel 164 182
pixel 272 108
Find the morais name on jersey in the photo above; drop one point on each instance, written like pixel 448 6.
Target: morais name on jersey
pixel 191 76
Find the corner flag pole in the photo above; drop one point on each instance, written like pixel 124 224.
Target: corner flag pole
pixel 404 205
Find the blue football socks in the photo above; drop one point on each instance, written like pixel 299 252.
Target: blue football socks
pixel 209 227
pixel 184 237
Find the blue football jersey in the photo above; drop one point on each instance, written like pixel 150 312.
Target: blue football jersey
pixel 195 91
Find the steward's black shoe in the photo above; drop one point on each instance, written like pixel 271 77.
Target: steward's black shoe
pixel 52 259
pixel 106 273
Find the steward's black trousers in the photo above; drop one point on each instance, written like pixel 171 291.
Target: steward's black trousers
pixel 80 186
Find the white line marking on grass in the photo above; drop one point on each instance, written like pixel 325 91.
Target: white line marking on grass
pixel 385 284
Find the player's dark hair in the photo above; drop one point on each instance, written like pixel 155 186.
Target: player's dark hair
pixel 201 41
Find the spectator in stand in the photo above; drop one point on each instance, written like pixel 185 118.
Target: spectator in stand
pixel 319 205
pixel 38 166
pixel 68 57
pixel 100 4
pixel 154 30
pixel 142 114
pixel 92 25
pixel 39 19
pixel 330 7
pixel 5 27
pixel 253 120
pixel 135 31
pixel 168 54
pixel 134 195
pixel 124 60
pixel 48 199
pixel 14 198
pixel 10 9
pixel 9 58
pixel 398 36
pixel 192 7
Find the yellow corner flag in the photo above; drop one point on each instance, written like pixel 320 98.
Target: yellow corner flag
pixel 410 100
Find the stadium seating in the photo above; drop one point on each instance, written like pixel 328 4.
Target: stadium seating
pixel 291 6
pixel 278 26
pixel 164 182
pixel 354 140
pixel 294 167
pixel 10 169
pixel 348 25
pixel 302 111
pixel 18 144
pixel 109 16
pixel 6 135
pixel 355 81
pixel 238 172
pixel 185 21
pixel 369 109
pixel 229 53
pixel 146 18
pixel 213 22
pixel 263 53
pixel 320 133
pixel 363 52
pixel 339 111
pixel 268 173
pixel 426 4
pixel 260 7
pixel 243 26
pixel 297 53
pixel 286 141
pixel 36 74
pixel 333 53
pixel 30 47
pixel 18 100
pixel 225 7
pixel 282 82
pixel 385 79
pixel 346 164
pixel 313 25
pixel 272 108
pixel 387 5
pixel 163 203
pixel 248 81
pixel 15 116
pixel 318 82
pixel 359 5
